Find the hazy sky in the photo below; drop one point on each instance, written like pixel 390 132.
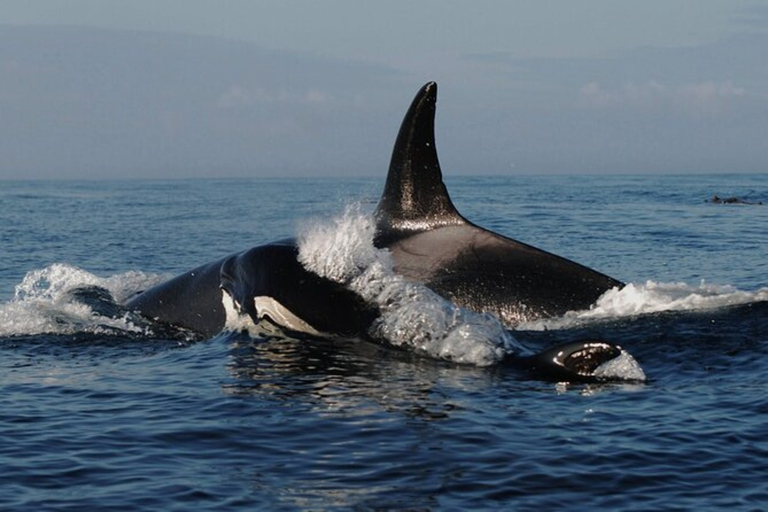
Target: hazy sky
pixel 153 88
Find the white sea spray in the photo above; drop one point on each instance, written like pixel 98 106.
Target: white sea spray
pixel 623 367
pixel 42 303
pixel 653 297
pixel 412 315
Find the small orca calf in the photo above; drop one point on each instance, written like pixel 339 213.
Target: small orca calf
pixel 430 243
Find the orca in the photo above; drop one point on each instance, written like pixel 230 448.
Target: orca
pixel 263 282
pixel 430 243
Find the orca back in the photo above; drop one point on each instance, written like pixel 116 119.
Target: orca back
pixel 431 242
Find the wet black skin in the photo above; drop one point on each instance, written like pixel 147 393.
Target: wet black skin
pixel 430 242
pixel 433 243
pixel 193 300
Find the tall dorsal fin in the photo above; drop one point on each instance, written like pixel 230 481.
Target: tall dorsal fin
pixel 415 197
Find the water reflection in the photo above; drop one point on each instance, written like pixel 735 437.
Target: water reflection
pixel 349 376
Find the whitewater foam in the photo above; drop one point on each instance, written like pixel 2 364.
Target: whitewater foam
pixel 652 297
pixel 622 367
pixel 43 303
pixel 412 315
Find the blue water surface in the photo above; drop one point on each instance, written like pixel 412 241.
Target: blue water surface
pixel 94 420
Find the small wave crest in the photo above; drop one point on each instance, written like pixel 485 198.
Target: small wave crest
pixel 651 297
pixel 412 315
pixel 52 300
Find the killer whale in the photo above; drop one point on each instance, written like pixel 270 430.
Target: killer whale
pixel 430 242
pixel 269 275
pixel 433 243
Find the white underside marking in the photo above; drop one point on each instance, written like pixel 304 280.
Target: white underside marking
pixel 235 321
pixel 267 307
pixel 282 316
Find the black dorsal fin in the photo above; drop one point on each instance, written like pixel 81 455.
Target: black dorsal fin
pixel 415 197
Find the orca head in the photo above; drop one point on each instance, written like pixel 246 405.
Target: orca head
pixel 415 198
pixel 270 282
pixel 234 286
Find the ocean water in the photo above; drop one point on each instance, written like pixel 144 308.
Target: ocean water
pixel 103 411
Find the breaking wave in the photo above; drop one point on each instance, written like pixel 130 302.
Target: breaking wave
pixel 64 299
pixel 412 315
